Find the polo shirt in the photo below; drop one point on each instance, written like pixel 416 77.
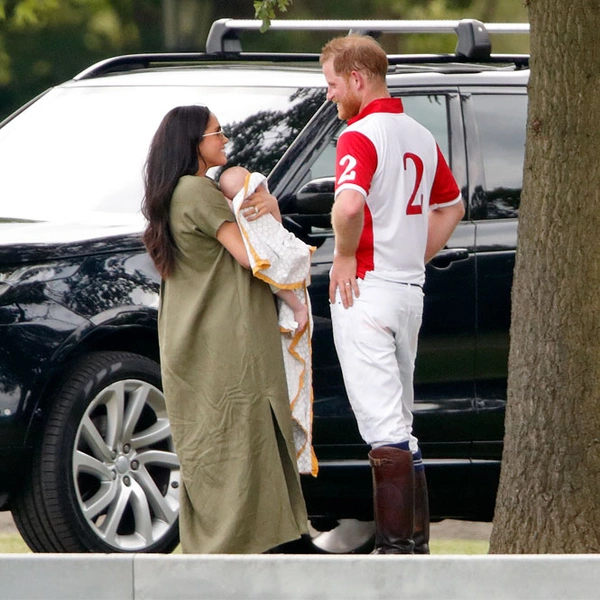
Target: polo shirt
pixel 396 164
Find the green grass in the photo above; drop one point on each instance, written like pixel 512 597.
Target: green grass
pixel 13 544
pixel 453 546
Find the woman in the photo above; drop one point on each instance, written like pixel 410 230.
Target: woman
pixel 221 358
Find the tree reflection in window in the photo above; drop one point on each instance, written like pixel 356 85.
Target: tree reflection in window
pixel 260 140
pixel 501 125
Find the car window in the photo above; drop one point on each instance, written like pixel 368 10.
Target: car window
pixel 79 151
pixel 429 110
pixel 432 112
pixel 501 122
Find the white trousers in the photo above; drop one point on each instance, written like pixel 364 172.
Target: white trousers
pixel 376 342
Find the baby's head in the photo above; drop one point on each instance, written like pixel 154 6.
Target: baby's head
pixel 232 180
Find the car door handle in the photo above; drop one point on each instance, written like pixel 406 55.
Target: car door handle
pixel 445 257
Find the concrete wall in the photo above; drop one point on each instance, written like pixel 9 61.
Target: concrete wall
pixel 289 577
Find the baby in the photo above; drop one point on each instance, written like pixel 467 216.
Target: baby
pixel 232 182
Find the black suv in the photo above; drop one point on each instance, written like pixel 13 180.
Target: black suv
pixel 86 457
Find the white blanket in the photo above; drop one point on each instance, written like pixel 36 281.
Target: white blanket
pixel 278 257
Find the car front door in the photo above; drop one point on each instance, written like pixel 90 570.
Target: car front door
pixel 445 364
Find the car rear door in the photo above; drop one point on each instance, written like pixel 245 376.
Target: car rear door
pixel 495 119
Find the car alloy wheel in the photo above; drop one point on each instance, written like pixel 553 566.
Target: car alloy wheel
pixel 105 477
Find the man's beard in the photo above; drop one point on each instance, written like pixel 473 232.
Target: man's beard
pixel 348 108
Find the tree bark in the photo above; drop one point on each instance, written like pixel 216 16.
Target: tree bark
pixel 548 496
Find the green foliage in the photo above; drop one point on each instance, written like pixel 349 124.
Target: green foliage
pixel 4 65
pixel 44 42
pixel 265 10
pixel 27 12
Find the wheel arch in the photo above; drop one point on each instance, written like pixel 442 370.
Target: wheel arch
pixel 132 331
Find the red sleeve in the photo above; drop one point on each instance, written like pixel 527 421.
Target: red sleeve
pixel 356 161
pixel 445 189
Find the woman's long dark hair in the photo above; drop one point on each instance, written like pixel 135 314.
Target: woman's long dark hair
pixel 173 153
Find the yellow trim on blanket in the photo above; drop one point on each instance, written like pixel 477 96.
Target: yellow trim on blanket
pixel 260 262
pixel 301 383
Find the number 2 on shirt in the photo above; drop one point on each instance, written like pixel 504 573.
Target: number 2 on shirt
pixel 415 203
pixel 348 174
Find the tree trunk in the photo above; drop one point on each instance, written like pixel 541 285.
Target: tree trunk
pixel 186 24
pixel 550 480
pixel 490 7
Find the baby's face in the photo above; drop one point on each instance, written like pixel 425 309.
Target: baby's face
pixel 232 183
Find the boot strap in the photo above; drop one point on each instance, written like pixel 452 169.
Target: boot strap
pixel 380 462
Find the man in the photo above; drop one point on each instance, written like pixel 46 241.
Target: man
pixel 396 205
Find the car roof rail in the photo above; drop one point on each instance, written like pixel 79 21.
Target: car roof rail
pixel 129 62
pixel 473 36
pixel 223 43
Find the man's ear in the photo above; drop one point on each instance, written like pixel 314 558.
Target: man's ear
pixel 358 79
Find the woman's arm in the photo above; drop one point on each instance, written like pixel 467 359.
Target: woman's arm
pixel 229 235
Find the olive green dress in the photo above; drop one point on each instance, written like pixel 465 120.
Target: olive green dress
pixel 225 388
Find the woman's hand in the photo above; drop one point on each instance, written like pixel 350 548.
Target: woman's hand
pixel 259 204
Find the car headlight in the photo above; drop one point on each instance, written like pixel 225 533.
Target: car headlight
pixel 32 274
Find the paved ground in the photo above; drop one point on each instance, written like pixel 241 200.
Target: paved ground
pixel 6 523
pixel 448 529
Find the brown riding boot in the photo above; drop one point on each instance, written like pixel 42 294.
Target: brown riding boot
pixel 393 500
pixel 421 533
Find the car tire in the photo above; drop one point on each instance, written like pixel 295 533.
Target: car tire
pixel 105 476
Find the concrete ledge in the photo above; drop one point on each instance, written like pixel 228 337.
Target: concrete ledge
pixel 66 576
pixel 288 577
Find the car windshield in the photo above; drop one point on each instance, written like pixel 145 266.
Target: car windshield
pixel 78 152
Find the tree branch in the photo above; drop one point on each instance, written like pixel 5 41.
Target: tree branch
pixel 265 10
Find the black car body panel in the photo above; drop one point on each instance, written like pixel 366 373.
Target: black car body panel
pixel 58 301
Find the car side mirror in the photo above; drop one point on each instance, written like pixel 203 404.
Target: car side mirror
pixel 307 214
pixel 316 197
